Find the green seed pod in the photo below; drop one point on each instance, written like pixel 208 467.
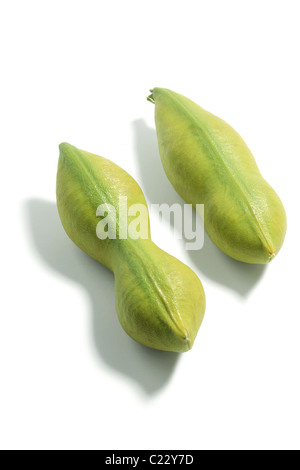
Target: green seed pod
pixel 160 301
pixel 209 163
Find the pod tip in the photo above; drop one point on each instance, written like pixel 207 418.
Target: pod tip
pixel 272 255
pixel 151 97
pixel 63 146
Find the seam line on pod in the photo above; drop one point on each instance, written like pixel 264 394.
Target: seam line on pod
pixel 181 330
pixel 218 152
pixel 88 171
pixel 179 325
pixel 80 162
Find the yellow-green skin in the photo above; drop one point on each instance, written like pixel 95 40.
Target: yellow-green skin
pixel 209 163
pixel 160 301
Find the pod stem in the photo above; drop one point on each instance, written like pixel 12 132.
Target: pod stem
pixel 151 97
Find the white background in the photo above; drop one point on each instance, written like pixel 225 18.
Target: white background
pixel 79 71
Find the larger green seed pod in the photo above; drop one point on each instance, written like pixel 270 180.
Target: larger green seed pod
pixel 209 163
pixel 160 301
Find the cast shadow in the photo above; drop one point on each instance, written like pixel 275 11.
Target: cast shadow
pixel 151 369
pixel 213 263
